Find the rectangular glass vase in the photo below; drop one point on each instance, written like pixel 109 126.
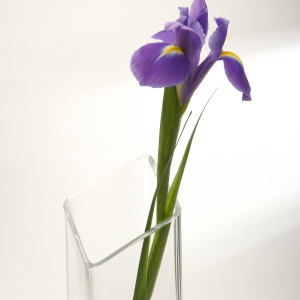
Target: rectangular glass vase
pixel 105 231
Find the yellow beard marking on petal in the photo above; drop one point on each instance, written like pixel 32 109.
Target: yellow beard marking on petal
pixel 232 55
pixel 171 49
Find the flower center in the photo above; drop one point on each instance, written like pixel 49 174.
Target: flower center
pixel 171 49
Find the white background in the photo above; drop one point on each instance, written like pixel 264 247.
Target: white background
pixel 71 111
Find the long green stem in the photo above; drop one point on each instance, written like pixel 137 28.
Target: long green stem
pixel 149 266
pixel 161 237
pixel 141 280
pixel 169 127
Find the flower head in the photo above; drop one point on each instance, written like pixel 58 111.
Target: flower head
pixel 175 60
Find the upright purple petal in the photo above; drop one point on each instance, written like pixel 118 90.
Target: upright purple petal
pixel 203 20
pixel 191 45
pixel 184 14
pixel 185 38
pixel 166 36
pixel 196 26
pixel 196 8
pixel 184 11
pixel 235 73
pixel 199 12
pixel 217 39
pixel 159 65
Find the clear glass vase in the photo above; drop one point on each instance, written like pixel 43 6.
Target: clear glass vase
pixel 105 231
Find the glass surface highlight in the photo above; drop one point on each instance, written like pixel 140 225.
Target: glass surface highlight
pixel 105 231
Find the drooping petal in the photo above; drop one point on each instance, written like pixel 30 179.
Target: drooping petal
pixel 217 39
pixel 216 42
pixel 235 73
pixel 159 65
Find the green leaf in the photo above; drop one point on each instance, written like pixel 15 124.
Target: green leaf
pixel 173 192
pixel 169 128
pixel 160 238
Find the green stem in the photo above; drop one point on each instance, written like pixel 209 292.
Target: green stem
pixel 161 237
pixel 149 266
pixel 169 127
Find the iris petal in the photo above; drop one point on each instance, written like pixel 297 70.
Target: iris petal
pixel 184 14
pixel 203 20
pixel 235 73
pixel 217 39
pixel 186 38
pixel 189 87
pixel 160 65
pixel 167 36
pixel 196 8
pixel 196 26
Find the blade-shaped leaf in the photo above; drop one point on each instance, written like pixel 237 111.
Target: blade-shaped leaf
pixel 173 192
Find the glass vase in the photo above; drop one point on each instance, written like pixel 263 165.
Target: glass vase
pixel 105 231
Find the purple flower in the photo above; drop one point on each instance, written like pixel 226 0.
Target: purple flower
pixel 175 60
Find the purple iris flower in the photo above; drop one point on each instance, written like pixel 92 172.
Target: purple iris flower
pixel 175 60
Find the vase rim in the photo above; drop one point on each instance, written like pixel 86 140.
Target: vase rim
pixel 87 262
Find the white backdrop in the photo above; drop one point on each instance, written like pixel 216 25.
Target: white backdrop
pixel 70 111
